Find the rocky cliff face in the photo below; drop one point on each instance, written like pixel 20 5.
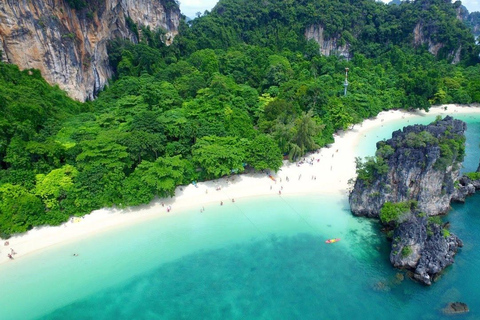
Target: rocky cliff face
pixel 69 46
pixel 328 46
pixel 424 247
pixel 334 46
pixel 420 39
pixel 472 20
pixel 421 163
pixel 416 169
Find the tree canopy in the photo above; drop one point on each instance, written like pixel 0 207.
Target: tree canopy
pixel 240 89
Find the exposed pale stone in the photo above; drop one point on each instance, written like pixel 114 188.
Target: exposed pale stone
pixel 68 47
pixel 328 45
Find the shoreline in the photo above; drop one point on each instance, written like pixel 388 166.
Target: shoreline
pixel 326 171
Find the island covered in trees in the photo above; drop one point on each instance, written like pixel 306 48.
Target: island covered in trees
pixel 241 88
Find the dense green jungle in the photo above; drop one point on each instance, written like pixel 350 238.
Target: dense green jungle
pixel 241 88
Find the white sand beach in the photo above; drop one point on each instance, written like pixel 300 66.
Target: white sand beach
pixel 326 171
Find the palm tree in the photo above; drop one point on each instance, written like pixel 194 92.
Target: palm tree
pixel 295 152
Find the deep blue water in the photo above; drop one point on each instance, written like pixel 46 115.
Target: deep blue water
pixel 264 258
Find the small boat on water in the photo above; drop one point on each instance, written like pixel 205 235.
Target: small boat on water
pixel 332 240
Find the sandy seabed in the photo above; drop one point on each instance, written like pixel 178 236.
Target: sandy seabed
pixel 326 171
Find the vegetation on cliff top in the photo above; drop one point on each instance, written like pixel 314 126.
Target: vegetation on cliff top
pixel 450 145
pixel 227 96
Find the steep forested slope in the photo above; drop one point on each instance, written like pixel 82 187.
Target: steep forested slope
pixel 240 88
pixel 31 112
pixel 365 26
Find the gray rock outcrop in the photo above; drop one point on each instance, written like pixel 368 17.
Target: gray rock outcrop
pixel 415 168
pixel 419 39
pixel 424 247
pixel 416 173
pixel 69 46
pixel 328 45
pixel 465 187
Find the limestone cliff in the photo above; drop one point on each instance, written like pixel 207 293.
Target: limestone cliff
pixel 336 46
pixel 69 46
pixel 434 47
pixel 421 163
pixel 472 20
pixel 413 177
pixel 424 247
pixel 328 45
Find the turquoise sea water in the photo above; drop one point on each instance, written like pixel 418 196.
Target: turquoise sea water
pixel 262 258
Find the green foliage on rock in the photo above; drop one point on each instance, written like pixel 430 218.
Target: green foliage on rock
pixel 435 220
pixel 452 151
pixel 445 233
pixel 473 175
pixel 393 212
pixel 406 251
pixel 384 150
pixel 419 140
pixel 77 4
pixel 370 169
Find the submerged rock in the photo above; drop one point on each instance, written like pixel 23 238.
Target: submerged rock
pixel 456 308
pixel 399 277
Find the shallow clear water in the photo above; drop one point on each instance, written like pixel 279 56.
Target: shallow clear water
pixel 264 258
